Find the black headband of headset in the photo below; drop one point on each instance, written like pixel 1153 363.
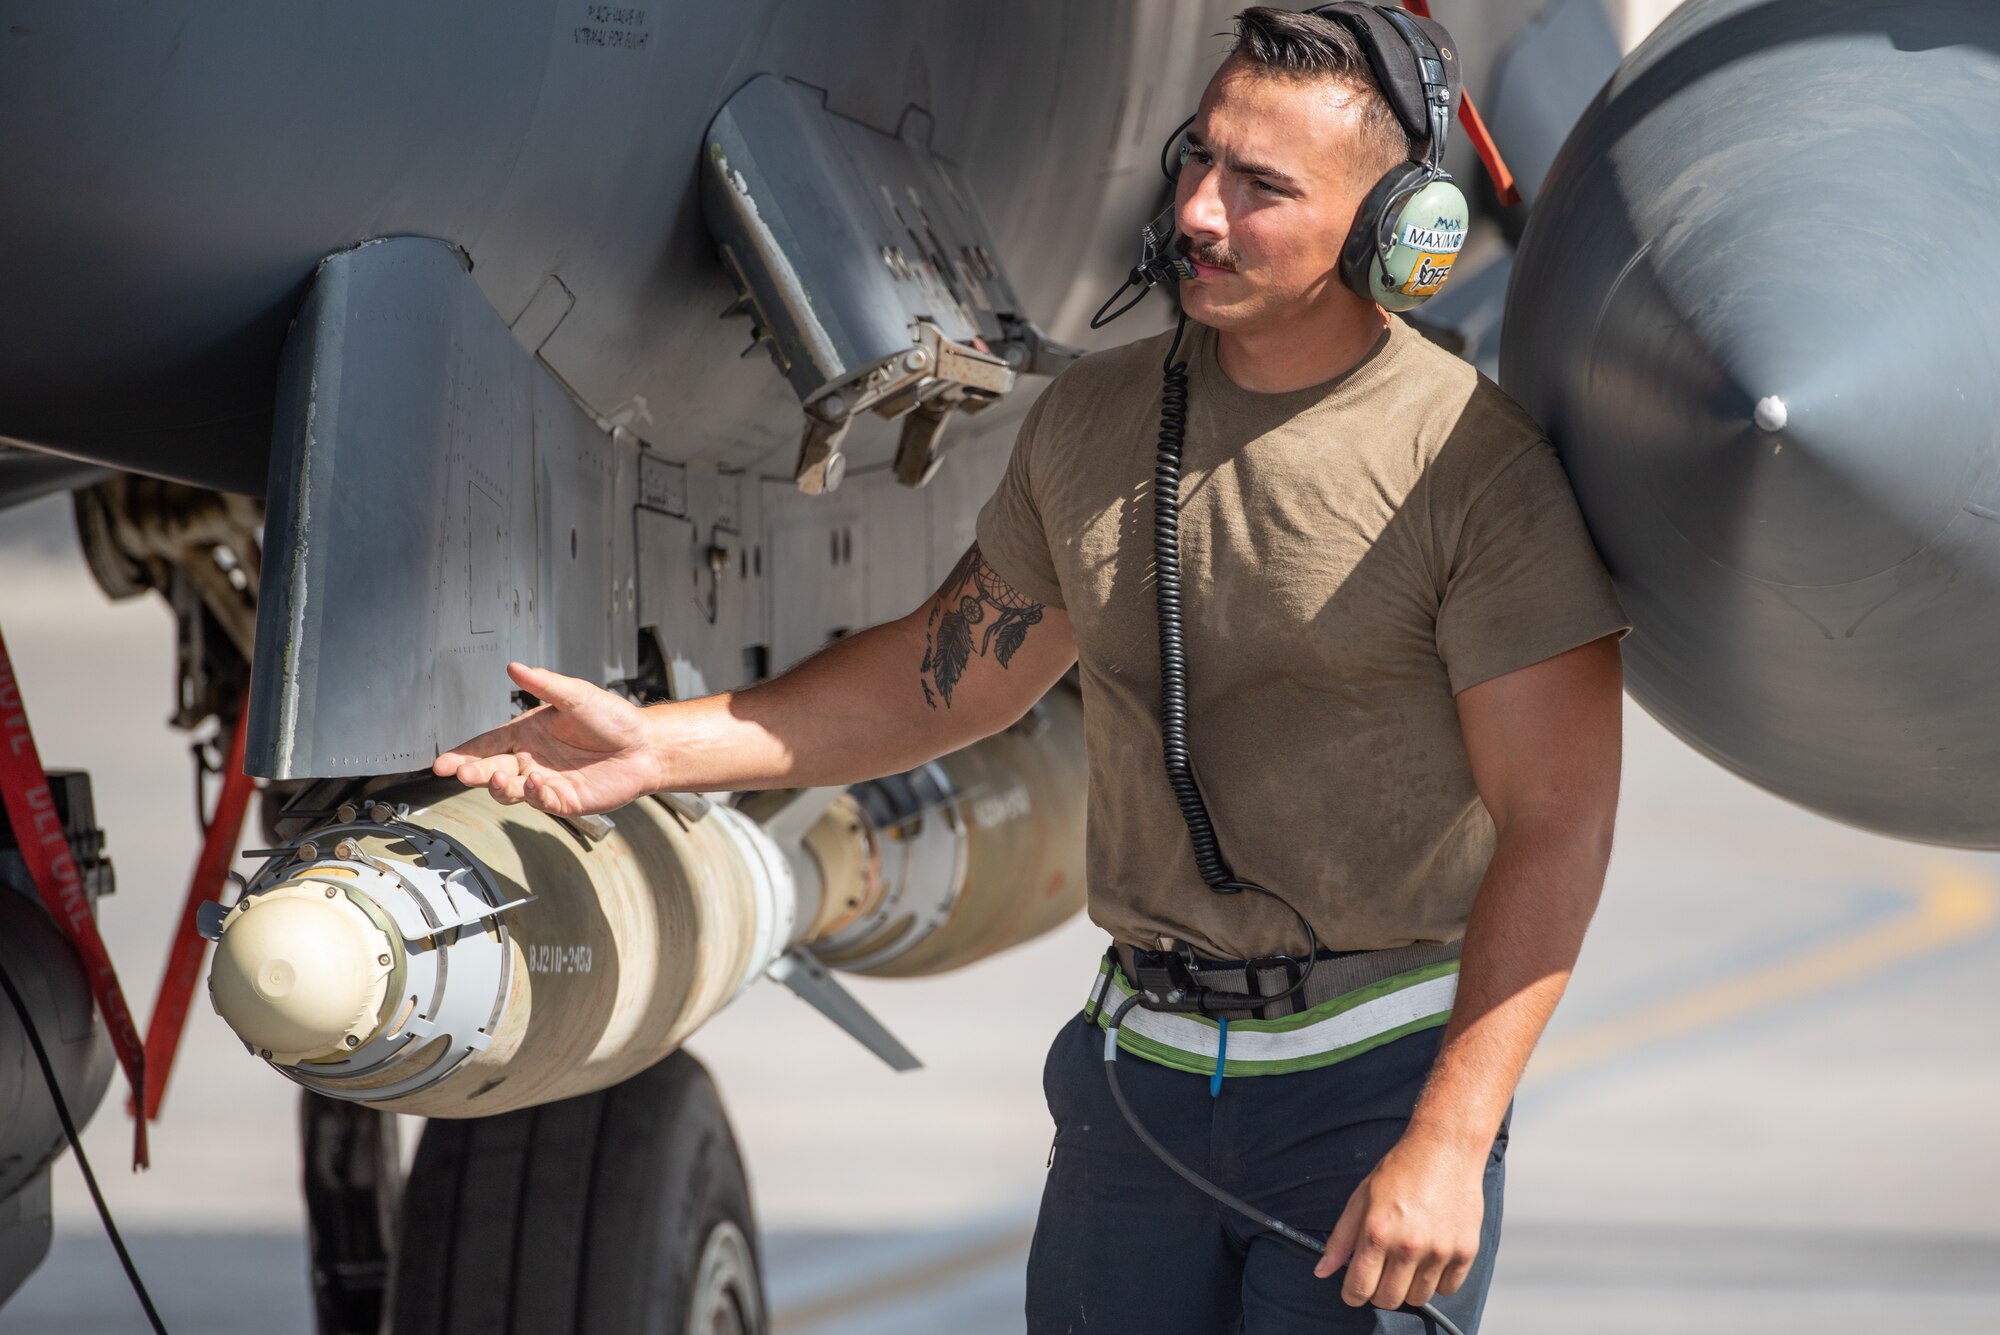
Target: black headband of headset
pixel 1408 54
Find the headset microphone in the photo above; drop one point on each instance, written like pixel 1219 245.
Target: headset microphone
pixel 1160 261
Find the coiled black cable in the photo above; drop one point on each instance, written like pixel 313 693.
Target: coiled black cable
pixel 1208 859
pixel 1167 596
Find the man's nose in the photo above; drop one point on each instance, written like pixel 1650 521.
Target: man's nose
pixel 1199 214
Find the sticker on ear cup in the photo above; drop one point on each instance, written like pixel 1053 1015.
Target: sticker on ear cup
pixel 1428 276
pixel 1445 237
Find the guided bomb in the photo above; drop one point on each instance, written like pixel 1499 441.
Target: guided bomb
pixel 435 952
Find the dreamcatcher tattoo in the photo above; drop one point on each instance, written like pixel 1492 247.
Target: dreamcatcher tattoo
pixel 975 611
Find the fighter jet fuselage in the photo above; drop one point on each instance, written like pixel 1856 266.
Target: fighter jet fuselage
pixel 175 172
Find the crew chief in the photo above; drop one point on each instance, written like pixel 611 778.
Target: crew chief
pixel 1402 650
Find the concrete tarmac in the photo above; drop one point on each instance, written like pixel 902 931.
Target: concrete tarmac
pixel 1769 1102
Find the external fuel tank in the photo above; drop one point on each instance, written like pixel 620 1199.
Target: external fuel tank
pixel 1754 311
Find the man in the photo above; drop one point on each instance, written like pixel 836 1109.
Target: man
pixel 1405 711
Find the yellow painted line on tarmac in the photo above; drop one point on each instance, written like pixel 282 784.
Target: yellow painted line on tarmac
pixel 1953 904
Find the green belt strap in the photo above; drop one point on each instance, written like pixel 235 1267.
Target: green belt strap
pixel 1345 1026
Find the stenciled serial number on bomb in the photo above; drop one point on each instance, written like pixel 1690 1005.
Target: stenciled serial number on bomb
pixel 558 959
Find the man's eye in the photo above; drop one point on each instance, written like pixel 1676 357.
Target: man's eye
pixel 1268 188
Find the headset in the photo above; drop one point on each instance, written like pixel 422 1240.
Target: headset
pixel 1411 224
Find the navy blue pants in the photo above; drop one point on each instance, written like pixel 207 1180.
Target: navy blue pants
pixel 1123 1244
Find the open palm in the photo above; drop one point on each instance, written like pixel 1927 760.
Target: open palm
pixel 586 750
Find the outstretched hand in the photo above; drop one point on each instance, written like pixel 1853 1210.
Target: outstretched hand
pixel 586 750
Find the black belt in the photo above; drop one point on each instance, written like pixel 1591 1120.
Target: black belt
pixel 1334 973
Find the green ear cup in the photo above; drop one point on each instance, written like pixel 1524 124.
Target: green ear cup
pixel 1428 233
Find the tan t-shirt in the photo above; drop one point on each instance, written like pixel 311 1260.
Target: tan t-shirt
pixel 1352 555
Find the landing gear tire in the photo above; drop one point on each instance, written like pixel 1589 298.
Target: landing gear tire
pixel 623 1212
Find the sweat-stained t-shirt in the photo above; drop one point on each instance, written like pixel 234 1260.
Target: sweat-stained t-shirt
pixel 1353 555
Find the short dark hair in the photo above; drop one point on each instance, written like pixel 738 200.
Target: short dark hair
pixel 1288 44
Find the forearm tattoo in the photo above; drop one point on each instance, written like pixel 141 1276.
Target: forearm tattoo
pixel 974 611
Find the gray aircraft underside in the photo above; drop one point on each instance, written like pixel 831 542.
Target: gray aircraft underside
pixel 431 323
pixel 537 171
pixel 255 189
pixel 176 172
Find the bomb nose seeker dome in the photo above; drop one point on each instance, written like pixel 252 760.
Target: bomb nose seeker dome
pixel 299 970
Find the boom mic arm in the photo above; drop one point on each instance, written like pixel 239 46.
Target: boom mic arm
pixel 1160 261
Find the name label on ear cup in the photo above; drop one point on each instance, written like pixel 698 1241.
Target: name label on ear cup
pixel 1446 237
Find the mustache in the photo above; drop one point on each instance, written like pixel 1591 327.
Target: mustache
pixel 1209 253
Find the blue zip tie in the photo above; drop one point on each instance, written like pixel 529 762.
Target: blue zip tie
pixel 1221 1050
